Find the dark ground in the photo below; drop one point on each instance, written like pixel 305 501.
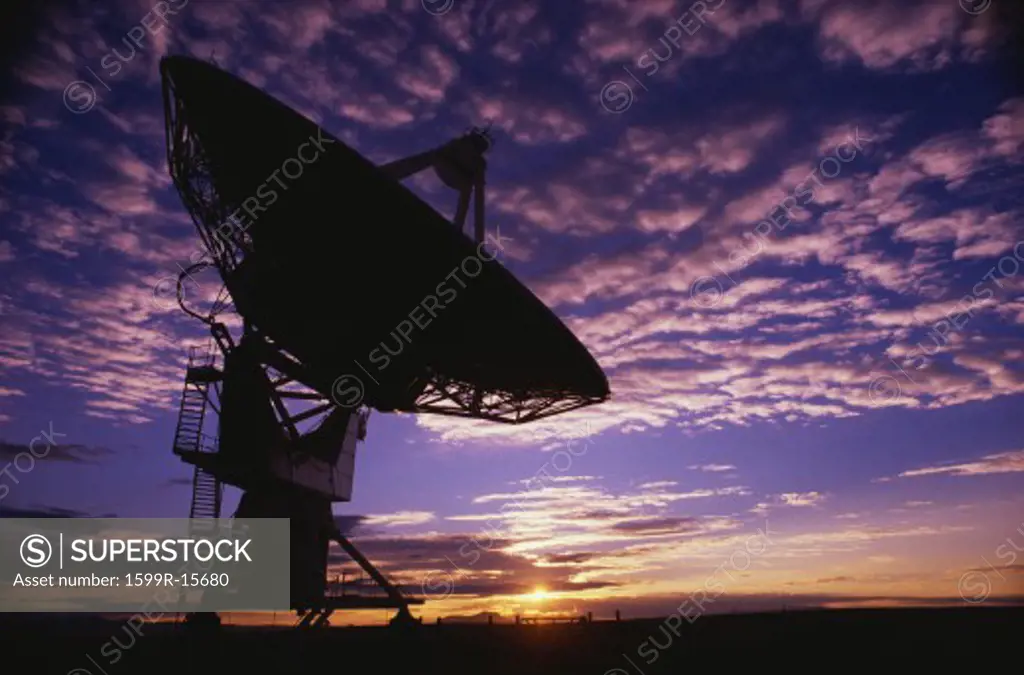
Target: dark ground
pixel 833 639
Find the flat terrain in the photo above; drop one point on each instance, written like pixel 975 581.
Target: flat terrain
pixel 819 638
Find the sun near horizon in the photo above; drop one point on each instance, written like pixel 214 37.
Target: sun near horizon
pixel 539 593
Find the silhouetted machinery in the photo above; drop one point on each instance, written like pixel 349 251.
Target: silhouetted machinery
pixel 353 294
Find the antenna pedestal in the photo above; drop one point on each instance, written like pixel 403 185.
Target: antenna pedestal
pixel 285 469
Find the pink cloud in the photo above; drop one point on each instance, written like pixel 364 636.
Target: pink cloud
pixel 530 122
pixel 882 35
pixel 1003 462
pixel 431 77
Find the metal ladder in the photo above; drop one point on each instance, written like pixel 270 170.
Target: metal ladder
pixel 188 436
pixel 207 492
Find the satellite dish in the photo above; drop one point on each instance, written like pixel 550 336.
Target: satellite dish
pixel 315 274
pixel 353 294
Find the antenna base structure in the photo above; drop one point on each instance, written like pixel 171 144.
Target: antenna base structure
pixel 314 305
pixel 291 452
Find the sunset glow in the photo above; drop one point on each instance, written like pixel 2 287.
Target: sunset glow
pixel 539 593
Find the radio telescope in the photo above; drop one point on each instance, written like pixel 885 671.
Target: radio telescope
pixel 328 272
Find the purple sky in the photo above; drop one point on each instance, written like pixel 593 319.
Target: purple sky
pixel 795 247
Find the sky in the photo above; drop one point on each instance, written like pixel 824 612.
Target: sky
pixel 790 232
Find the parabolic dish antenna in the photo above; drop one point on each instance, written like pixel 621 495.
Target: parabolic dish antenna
pixel 343 279
pixel 335 263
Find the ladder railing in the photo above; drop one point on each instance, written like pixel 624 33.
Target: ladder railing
pixel 192 409
pixel 188 435
pixel 207 493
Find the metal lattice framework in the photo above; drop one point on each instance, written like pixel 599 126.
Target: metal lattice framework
pixel 190 169
pixel 444 396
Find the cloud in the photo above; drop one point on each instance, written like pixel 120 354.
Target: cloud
pixel 801 498
pixel 431 78
pixel 568 537
pixel 659 525
pixel 1006 128
pixel 376 111
pixel 80 454
pixel 975 233
pixel 914 36
pixel 580 517
pixel 530 121
pixel 349 524
pixel 1016 570
pixel 1003 462
pixel 796 499
pixel 399 518
pixel 567 558
pixel 657 485
pixel 122 334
